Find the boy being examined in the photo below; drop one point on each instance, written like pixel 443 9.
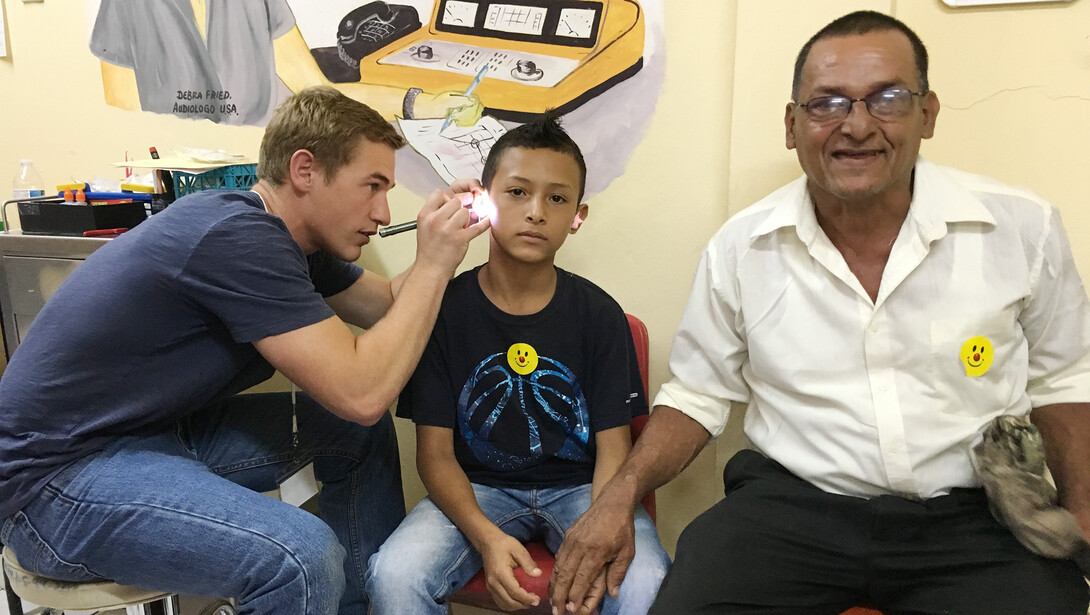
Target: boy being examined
pixel 522 401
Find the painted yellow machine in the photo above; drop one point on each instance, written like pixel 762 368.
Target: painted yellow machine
pixel 540 54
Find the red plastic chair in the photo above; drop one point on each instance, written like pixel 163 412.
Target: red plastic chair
pixel 475 593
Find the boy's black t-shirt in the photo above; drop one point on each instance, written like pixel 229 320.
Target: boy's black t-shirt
pixel 525 395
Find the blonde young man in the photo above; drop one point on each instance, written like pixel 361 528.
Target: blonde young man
pixel 125 453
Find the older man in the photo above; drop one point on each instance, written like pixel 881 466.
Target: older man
pixel 876 315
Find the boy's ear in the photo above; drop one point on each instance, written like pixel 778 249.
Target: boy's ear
pixel 581 213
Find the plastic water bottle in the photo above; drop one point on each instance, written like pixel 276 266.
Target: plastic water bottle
pixel 28 182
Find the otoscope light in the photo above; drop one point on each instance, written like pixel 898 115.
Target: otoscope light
pixel 484 207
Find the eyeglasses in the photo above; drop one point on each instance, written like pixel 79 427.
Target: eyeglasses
pixel 885 105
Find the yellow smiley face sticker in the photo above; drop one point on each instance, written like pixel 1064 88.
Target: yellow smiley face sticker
pixel 522 358
pixel 976 354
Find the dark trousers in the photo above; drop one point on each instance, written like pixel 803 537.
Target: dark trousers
pixel 777 545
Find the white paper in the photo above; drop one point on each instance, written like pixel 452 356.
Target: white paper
pixel 456 153
pixel 299 487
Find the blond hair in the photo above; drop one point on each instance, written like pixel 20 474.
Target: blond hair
pixel 324 122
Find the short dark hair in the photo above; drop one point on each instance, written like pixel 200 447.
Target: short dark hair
pixel 862 22
pixel 327 124
pixel 543 132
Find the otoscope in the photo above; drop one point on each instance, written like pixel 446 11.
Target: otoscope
pixel 386 231
pixel 482 205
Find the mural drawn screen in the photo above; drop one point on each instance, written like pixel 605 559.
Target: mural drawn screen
pixel 515 18
pixel 571 23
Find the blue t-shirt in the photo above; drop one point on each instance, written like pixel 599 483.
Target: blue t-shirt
pixel 525 395
pixel 152 327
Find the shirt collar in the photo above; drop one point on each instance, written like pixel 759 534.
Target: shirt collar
pixel 937 200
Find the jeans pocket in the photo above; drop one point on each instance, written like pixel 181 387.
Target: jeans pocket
pixel 183 432
pixel 35 554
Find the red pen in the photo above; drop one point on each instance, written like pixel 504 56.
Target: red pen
pixel 105 231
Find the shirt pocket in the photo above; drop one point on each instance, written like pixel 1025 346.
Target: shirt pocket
pixel 974 364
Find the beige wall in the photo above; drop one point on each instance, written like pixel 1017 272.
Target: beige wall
pixel 1014 83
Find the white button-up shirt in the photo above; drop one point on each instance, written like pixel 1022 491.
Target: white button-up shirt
pixel 980 312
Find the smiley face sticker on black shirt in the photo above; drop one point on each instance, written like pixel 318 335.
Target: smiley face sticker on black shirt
pixel 522 358
pixel 977 355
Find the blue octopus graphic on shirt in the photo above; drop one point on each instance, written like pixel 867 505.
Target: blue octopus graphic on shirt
pixel 521 381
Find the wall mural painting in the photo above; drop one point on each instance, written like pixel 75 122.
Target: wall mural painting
pixel 452 74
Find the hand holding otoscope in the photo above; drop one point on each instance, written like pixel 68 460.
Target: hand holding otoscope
pixel 480 203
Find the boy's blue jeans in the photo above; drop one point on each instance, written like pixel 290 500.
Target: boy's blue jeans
pixel 182 510
pixel 428 558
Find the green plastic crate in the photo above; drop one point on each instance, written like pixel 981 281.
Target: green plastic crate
pixel 234 177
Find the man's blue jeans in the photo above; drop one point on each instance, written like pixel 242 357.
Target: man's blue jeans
pixel 428 558
pixel 182 510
